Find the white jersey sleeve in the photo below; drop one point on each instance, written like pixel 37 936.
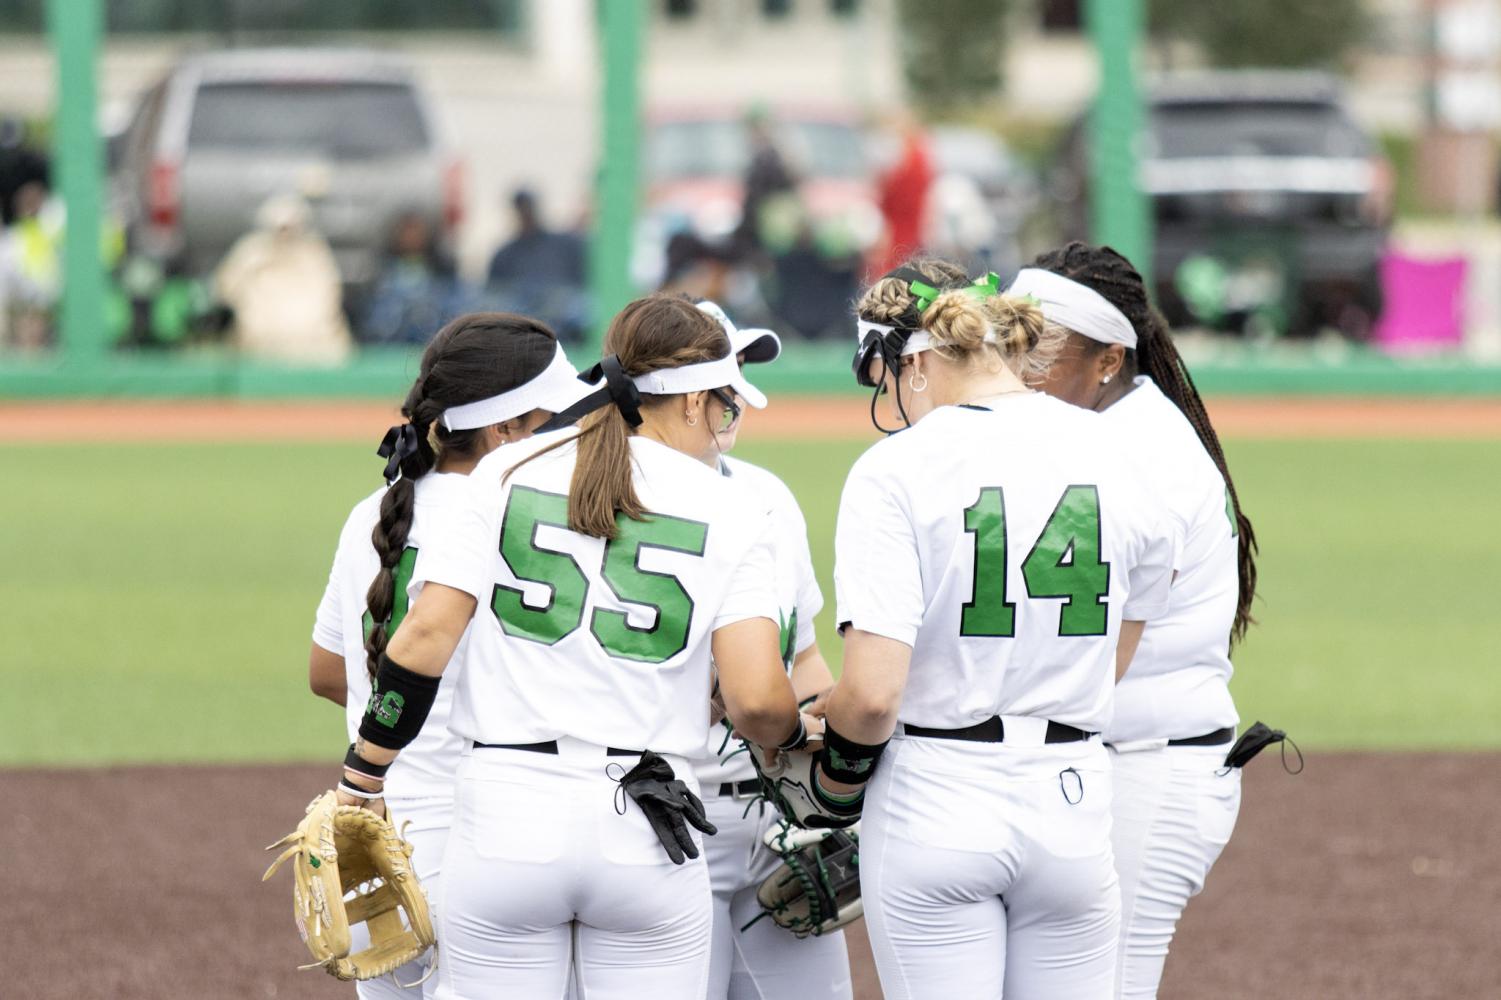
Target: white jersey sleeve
pixel 752 592
pixel 1158 549
pixel 328 631
pixel 874 541
pixel 460 550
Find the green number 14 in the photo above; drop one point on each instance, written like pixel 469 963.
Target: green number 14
pixel 1064 563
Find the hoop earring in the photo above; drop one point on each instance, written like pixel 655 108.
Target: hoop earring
pixel 692 420
pixel 912 381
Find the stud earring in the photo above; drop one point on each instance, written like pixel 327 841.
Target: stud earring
pixel 1106 380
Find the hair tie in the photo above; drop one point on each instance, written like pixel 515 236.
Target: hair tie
pixel 623 391
pixel 400 443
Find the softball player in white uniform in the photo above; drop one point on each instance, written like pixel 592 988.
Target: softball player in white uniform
pixel 599 569
pixel 987 560
pixel 754 959
pixel 497 377
pixel 1175 800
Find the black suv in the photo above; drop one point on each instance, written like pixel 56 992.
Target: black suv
pixel 1271 204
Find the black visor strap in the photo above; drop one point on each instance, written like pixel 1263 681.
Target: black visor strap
pixel 618 389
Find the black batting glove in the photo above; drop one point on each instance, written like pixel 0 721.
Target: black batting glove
pixel 669 805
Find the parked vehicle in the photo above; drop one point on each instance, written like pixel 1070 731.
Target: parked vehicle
pixel 1271 204
pixel 347 130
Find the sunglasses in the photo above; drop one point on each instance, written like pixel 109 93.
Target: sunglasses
pixel 731 410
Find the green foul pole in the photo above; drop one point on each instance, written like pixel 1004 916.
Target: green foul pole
pixel 615 217
pixel 76 27
pixel 1120 214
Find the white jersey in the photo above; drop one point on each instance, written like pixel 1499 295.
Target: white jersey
pixel 1005 546
pixel 798 602
pixel 604 643
pixel 1178 683
pixel 425 768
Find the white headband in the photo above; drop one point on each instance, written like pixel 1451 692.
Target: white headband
pixel 697 377
pixel 1075 306
pixel 920 340
pixel 555 389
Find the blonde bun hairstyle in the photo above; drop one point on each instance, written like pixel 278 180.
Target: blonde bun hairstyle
pixel 890 299
pixel 1018 335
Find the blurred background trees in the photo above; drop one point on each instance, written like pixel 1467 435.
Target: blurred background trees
pixel 1287 34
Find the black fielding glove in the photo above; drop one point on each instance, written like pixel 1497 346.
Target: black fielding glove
pixel 669 805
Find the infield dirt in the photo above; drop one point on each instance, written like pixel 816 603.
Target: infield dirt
pixel 1368 877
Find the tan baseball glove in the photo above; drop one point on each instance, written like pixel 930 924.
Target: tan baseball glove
pixel 816 888
pixel 342 848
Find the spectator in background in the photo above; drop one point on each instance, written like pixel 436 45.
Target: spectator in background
pixel 417 289
pixel 765 178
pixel 903 194
pixel 281 282
pixel 541 272
pixel 19 166
pixel 30 267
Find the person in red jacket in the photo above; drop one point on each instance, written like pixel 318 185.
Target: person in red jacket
pixel 903 192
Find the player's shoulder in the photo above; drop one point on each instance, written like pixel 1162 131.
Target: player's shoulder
pixel 762 481
pixel 1149 423
pixel 362 517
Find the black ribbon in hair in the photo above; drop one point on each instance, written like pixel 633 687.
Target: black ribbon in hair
pixel 400 444
pixel 618 390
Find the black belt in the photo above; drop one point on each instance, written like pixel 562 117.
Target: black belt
pixel 749 788
pixel 992 730
pixel 550 746
pixel 1213 739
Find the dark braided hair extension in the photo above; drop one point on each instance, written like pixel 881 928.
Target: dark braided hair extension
pixel 1111 274
pixel 474 357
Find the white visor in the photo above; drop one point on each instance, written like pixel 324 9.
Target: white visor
pixel 758 345
pixel 718 374
pixel 1075 306
pixel 555 389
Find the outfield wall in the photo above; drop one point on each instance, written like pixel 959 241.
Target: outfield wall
pixel 804 369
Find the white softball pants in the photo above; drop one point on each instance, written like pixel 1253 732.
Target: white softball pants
pixel 427 822
pixel 545 883
pixel 763 961
pixel 986 871
pixel 1175 808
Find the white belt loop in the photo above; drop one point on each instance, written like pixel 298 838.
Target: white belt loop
pixel 1024 730
pixel 1133 746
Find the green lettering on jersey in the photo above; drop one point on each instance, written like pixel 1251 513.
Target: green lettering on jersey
pixel 662 592
pixel 401 577
pixel 1066 563
pixel 561 616
pixel 987 613
pixel 527 510
pixel 788 638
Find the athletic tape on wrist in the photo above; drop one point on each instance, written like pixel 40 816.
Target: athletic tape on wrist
pixel 356 764
pixel 399 703
pixel 350 788
pixel 846 761
pixel 797 739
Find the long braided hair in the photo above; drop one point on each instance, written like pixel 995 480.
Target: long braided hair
pixel 474 357
pixel 1111 274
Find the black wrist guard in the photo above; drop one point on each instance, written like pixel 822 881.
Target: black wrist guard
pixel 846 761
pixel 797 739
pixel 399 703
pixel 359 765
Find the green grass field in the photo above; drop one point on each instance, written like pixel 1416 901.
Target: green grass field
pixel 164 593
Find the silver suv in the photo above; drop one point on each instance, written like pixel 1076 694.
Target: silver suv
pixel 347 130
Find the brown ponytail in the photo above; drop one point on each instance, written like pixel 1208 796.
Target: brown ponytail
pixel 474 357
pixel 1112 275
pixel 651 333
